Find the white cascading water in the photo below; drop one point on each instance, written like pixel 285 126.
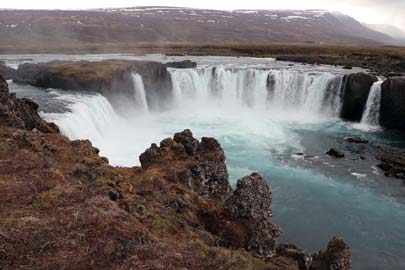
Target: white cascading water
pixel 88 116
pixel 306 92
pixel 139 93
pixel 248 100
pixel 295 92
pixel 371 115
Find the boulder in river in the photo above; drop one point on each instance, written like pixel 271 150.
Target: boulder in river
pixel 335 152
pixel 356 140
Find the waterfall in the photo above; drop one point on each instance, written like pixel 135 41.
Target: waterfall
pixel 92 117
pixel 250 98
pixel 316 93
pixel 88 117
pixel 139 93
pixel 305 91
pixel 371 114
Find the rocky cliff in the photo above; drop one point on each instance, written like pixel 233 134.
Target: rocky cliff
pixel 63 206
pixel 112 78
pixel 356 88
pixel 392 112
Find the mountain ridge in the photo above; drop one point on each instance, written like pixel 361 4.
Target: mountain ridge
pixel 177 24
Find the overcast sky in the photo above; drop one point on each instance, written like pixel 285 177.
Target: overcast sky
pixel 370 11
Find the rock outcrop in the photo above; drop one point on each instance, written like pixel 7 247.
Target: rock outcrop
pixel 271 84
pixel 182 64
pixel 336 256
pixel 250 204
pixel 392 110
pixel 112 78
pixel 334 152
pixel 356 88
pixel 356 140
pixel 8 73
pixel 393 165
pixel 205 171
pixel 20 113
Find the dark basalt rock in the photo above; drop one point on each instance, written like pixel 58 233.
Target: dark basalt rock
pixel 271 83
pixel 157 81
pixel 8 73
pixel 336 257
pixel 21 112
pixel 357 140
pixel 186 138
pixel 356 88
pixel 251 199
pixel 392 111
pixel 250 203
pixel 3 86
pixel 182 64
pixel 393 166
pixel 31 74
pixel 303 258
pixel 206 171
pixel 334 152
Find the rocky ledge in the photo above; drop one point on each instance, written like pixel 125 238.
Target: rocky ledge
pixel 393 103
pixel 111 78
pixel 355 89
pixel 63 206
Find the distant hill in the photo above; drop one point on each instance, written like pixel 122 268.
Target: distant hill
pixel 172 24
pixel 390 30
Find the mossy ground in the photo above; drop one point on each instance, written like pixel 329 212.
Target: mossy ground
pixel 57 212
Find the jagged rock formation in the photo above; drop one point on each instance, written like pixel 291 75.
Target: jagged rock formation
pixel 336 256
pixel 206 171
pixel 8 73
pixel 20 113
pixel 356 88
pixel 392 111
pixel 251 203
pixel 63 206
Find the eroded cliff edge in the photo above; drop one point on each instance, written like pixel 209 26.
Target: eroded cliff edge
pixel 63 206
